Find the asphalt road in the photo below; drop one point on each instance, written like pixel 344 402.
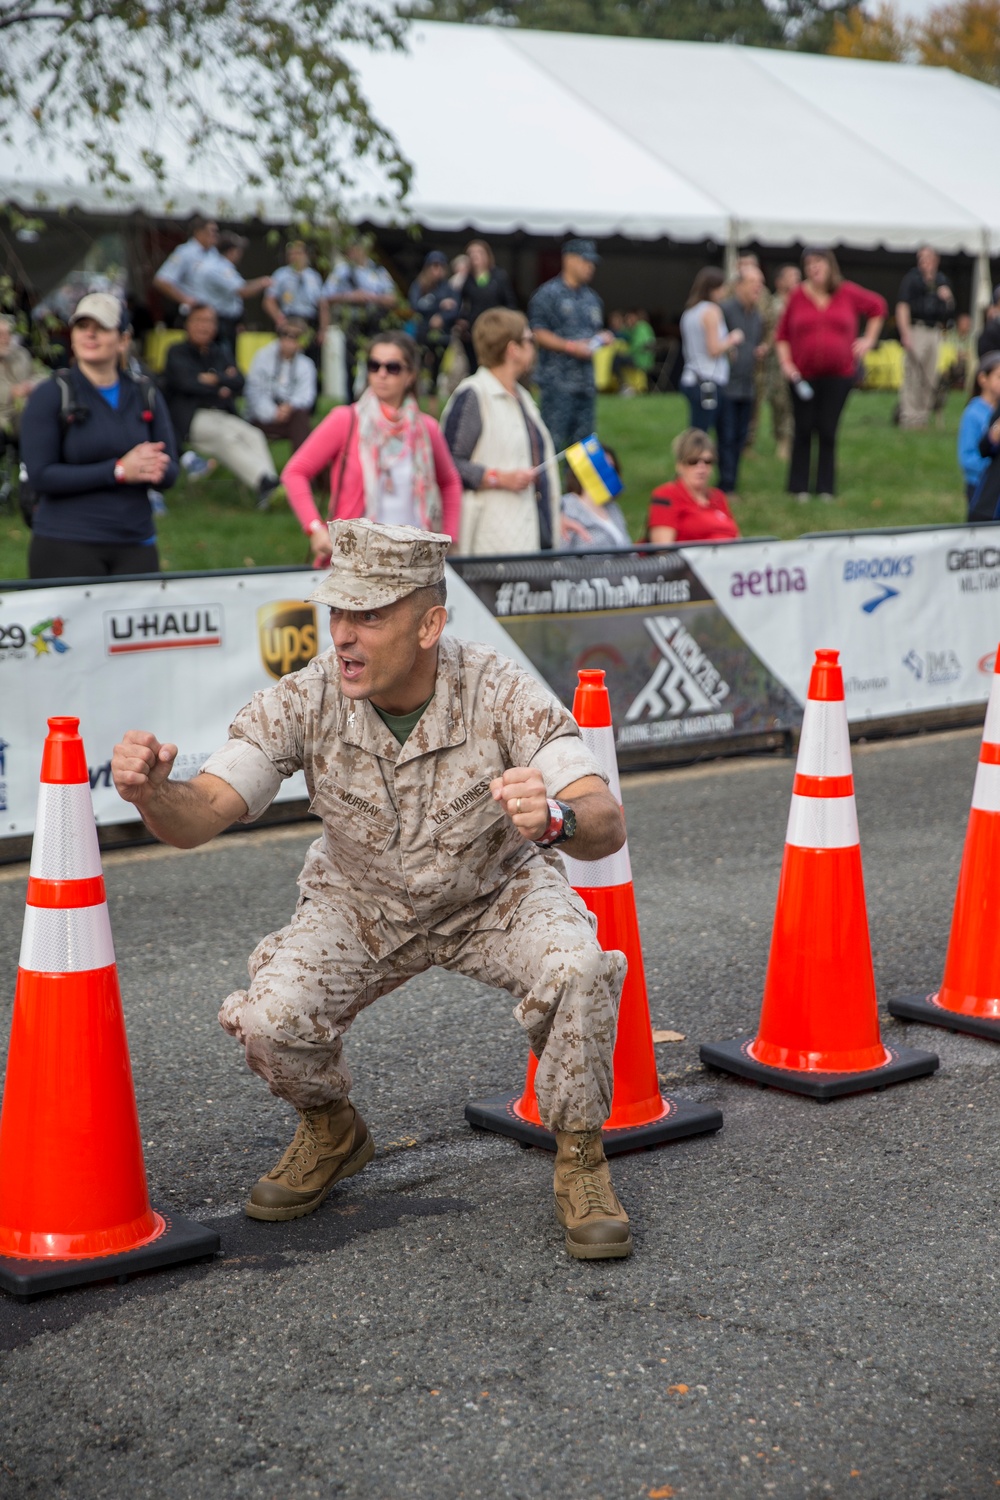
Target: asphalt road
pixel 811 1306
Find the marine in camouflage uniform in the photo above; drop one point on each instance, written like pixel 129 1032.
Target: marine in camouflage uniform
pixel 419 864
pixel 570 310
pixel 772 386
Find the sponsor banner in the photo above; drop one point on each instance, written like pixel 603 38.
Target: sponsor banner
pixel 677 669
pixel 176 656
pixel 700 644
pixel 914 614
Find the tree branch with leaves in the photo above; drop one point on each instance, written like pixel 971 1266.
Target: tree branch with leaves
pixel 261 91
pixel 963 35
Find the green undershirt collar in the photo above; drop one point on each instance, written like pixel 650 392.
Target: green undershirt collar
pixel 401 726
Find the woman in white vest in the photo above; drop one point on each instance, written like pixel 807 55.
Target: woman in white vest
pixel 501 446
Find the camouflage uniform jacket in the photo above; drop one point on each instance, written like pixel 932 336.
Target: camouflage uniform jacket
pixel 412 839
pixel 571 313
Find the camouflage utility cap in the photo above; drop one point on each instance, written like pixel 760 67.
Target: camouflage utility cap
pixel 374 565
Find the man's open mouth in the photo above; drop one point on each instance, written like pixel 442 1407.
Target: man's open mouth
pixel 350 667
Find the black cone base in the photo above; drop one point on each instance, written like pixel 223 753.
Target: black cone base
pixel 925 1009
pixel 182 1240
pixel 682 1117
pixel 734 1057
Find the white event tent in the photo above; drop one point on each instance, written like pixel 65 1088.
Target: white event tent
pixel 542 133
pixel 546 132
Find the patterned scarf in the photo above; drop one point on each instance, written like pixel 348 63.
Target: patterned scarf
pixel 381 442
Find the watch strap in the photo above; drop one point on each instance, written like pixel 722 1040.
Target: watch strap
pixel 556 830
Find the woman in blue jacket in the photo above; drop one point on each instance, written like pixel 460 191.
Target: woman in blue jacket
pixel 94 441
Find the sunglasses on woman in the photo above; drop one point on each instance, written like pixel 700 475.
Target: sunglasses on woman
pixel 390 366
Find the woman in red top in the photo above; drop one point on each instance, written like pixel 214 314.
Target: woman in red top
pixel 819 352
pixel 689 509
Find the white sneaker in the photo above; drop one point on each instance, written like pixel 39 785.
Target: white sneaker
pixel 196 467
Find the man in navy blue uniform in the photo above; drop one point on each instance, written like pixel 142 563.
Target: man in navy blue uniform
pixel 567 317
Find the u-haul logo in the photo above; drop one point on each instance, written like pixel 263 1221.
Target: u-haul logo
pixel 165 629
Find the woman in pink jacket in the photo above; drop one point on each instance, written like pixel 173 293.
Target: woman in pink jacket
pixel 387 461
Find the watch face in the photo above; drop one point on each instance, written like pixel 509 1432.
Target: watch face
pixel 569 822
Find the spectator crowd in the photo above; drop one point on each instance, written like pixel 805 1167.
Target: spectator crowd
pixel 516 389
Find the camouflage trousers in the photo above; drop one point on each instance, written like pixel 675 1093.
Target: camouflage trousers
pixel 772 387
pixel 569 414
pixel 310 980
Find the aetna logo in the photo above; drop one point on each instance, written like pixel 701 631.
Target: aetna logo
pixel 768 581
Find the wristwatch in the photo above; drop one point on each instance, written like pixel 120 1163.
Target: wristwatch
pixel 120 475
pixel 562 824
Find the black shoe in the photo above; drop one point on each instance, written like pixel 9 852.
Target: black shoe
pixel 268 491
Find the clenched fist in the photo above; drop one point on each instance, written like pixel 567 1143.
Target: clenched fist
pixel 140 764
pixel 525 801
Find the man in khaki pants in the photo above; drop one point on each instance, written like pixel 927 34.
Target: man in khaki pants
pixel 925 304
pixel 201 384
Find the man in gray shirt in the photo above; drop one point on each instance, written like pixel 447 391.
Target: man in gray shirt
pixel 736 399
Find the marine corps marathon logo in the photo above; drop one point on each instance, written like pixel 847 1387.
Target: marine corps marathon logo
pixel 288 635
pixel 685 694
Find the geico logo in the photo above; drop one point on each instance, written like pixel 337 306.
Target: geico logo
pixel 288 635
pixel 961 561
pixel 875 568
pixel 769 581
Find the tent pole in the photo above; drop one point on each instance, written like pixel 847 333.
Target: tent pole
pixel 982 296
pixel 982 291
pixel 732 250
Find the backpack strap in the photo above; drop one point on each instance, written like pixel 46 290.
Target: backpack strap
pixel 147 398
pixel 67 399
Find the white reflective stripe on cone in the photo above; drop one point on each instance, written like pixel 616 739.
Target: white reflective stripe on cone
pixel 601 744
pixel 66 942
pixel 822 823
pixel 616 869
pixel 986 792
pixel 991 730
pixel 65 842
pixel 825 744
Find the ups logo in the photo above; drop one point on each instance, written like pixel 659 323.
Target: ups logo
pixel 287 634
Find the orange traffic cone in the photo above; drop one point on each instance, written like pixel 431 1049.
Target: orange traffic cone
pixel 819 1031
pixel 73 1200
pixel 640 1116
pixel 969 997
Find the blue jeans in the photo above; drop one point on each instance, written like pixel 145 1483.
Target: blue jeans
pixel 702 417
pixel 733 426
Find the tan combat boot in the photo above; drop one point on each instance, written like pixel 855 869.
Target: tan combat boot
pixel 331 1143
pixel 596 1225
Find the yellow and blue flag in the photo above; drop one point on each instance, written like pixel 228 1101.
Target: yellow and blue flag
pixel 599 479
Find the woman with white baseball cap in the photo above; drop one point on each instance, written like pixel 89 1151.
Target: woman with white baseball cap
pixel 94 441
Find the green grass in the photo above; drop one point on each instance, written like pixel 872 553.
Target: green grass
pixel 887 477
